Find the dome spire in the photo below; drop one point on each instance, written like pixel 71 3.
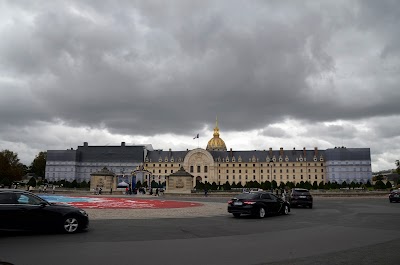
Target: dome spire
pixel 216 143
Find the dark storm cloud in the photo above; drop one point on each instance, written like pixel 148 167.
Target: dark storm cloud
pixel 154 67
pixel 141 65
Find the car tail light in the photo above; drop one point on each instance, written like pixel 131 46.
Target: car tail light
pixel 247 202
pixel 230 202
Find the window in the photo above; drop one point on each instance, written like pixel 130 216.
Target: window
pixel 198 169
pixel 205 169
pixel 191 169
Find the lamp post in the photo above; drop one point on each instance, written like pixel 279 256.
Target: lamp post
pixel 270 163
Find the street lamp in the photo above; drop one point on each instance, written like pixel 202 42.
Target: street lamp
pixel 270 163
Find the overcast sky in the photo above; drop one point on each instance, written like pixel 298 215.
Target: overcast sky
pixel 276 73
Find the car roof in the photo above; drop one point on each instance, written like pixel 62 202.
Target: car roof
pixel 300 189
pixel 13 190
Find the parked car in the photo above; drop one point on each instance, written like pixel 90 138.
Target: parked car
pixel 259 203
pixel 23 210
pixel 394 196
pixel 300 197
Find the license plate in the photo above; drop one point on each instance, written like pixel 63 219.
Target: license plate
pixel 238 203
pixel 303 197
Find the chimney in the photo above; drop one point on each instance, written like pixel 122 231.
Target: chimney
pixel 281 151
pixel 316 151
pixel 123 144
pixel 231 152
pixel 270 152
pixel 304 152
pixel 85 144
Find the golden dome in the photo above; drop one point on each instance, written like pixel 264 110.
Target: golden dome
pixel 216 143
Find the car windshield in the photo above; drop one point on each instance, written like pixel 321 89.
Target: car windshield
pixel 247 196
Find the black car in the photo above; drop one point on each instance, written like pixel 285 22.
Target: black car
pixel 300 197
pixel 257 203
pixel 23 210
pixel 394 196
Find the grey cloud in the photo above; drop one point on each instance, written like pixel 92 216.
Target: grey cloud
pixel 150 67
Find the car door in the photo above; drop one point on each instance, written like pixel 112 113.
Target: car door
pixel 8 211
pixel 34 212
pixel 268 200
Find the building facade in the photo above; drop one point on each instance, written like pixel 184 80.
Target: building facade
pixel 78 164
pixel 348 164
pixel 214 164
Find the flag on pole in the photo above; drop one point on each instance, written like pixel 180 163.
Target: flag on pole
pixel 197 136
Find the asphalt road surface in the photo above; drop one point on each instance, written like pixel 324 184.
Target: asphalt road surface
pixel 335 231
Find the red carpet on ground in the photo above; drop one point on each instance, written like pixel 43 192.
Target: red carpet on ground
pixel 131 203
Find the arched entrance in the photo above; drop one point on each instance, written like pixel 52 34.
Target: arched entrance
pixel 200 163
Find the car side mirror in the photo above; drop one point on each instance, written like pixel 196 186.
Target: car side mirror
pixel 43 204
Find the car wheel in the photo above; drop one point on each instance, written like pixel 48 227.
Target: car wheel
pixel 261 212
pixel 236 214
pixel 390 200
pixel 310 206
pixel 70 224
pixel 285 210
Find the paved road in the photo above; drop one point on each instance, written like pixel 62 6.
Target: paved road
pixel 336 231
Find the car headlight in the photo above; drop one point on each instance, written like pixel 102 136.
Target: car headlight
pixel 83 212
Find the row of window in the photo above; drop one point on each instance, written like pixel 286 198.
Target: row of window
pixel 274 170
pixel 246 165
pixel 274 177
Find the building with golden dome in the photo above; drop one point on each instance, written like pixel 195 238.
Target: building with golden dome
pixel 219 165
pixel 216 143
pixel 215 163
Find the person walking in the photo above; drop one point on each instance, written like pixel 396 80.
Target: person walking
pixel 157 192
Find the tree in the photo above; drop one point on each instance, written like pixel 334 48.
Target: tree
pixel 315 185
pixel 10 167
pixel 32 182
pixel 388 185
pixel 379 185
pixel 321 185
pixel 38 165
pixel 274 185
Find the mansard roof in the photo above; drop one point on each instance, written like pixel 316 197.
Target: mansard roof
pixel 343 153
pixel 266 155
pixel 160 156
pixel 157 155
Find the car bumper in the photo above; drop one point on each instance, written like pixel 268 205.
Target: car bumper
pixel 395 199
pixel 248 209
pixel 300 203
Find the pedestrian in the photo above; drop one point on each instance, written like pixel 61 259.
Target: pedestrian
pixel 126 190
pixel 157 192
pixel 205 192
pixel 111 190
pixel 45 188
pixel 54 188
pixel 100 190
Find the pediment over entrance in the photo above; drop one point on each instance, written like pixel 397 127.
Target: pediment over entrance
pixel 198 156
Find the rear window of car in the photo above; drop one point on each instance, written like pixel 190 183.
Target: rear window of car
pixel 304 192
pixel 248 196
